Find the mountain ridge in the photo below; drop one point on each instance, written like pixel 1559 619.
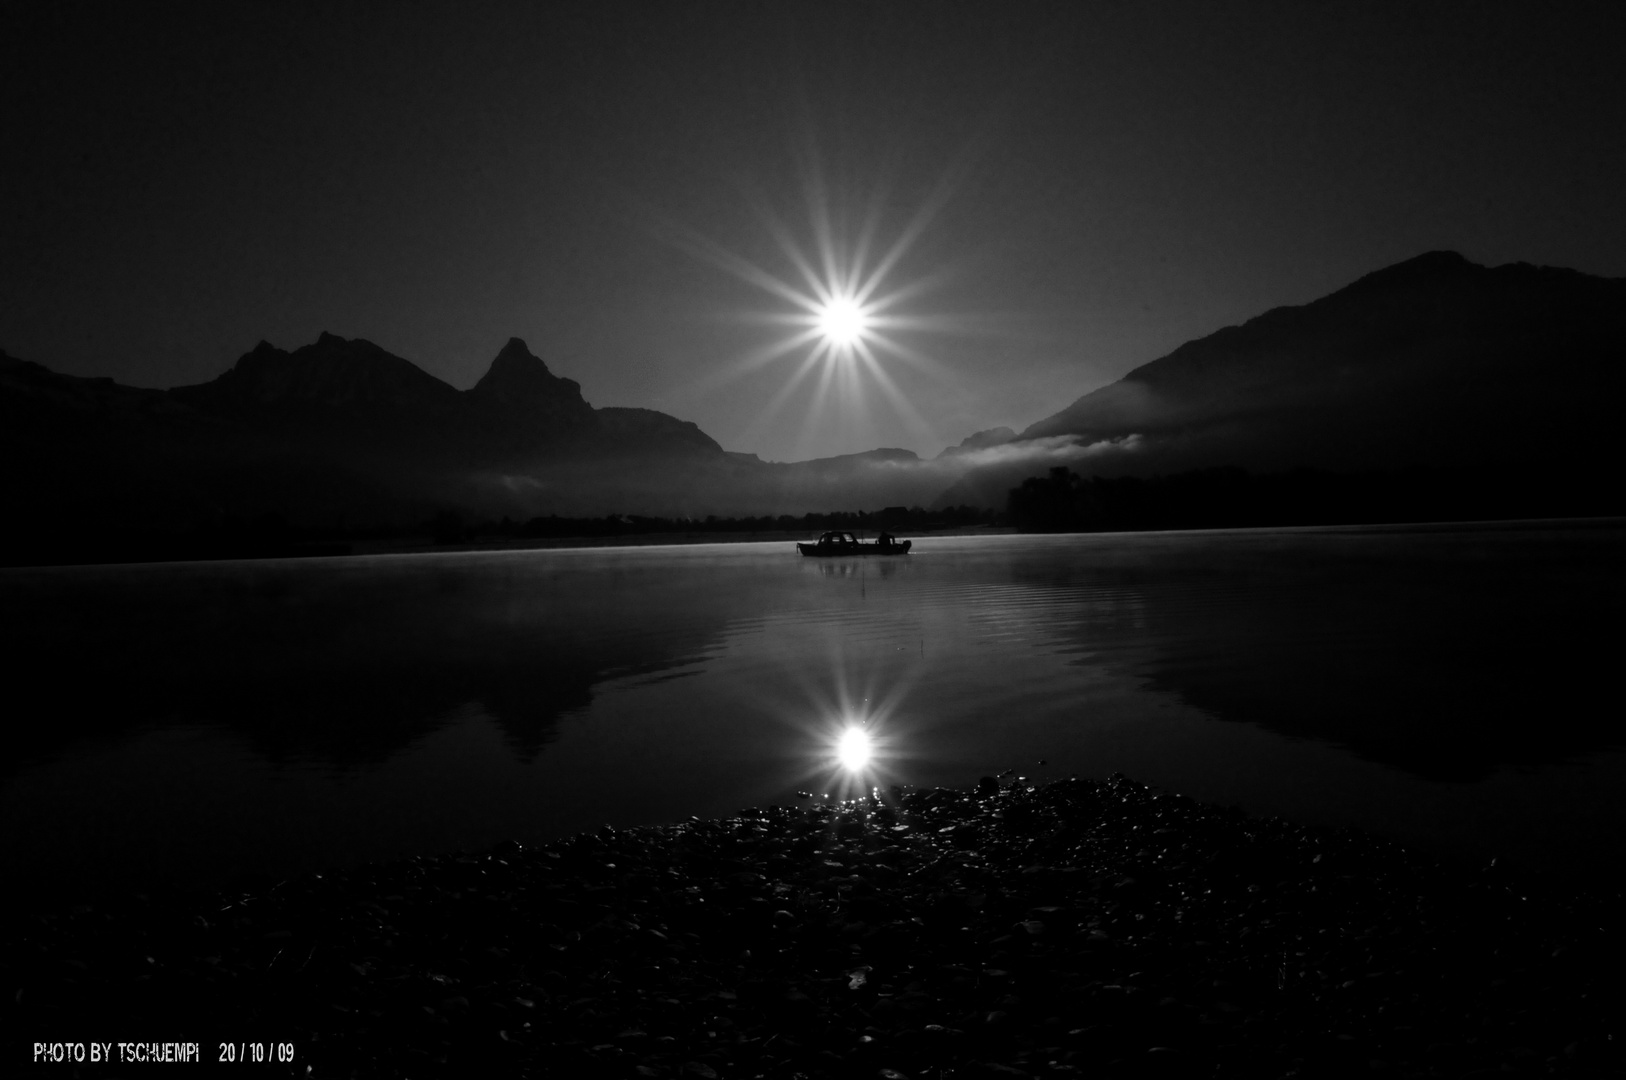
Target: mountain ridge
pixel 1443 288
pixel 1433 362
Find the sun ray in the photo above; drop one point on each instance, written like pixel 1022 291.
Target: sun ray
pixel 771 410
pixel 909 290
pixel 774 350
pixel 913 357
pixel 901 246
pixel 934 324
pixel 899 400
pixel 809 364
pixel 709 251
pixel 866 236
pixel 847 310
pixel 821 395
pixel 823 235
pixel 787 245
pixel 757 358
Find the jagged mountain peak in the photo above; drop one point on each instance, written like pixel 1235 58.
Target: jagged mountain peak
pixel 516 355
pixel 516 347
pixel 519 375
pixel 331 372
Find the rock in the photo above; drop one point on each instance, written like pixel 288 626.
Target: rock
pixel 778 938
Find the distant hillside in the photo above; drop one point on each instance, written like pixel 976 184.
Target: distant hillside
pixel 336 434
pixel 341 436
pixel 354 394
pixel 1434 362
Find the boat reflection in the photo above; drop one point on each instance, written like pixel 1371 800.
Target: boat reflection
pixel 857 568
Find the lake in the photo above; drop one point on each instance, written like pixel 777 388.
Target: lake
pixel 1452 687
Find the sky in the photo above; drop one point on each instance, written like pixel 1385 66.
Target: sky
pixel 1057 193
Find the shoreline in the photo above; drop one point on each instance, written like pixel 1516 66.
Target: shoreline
pixel 347 548
pixel 654 539
pixel 1077 928
pixel 143 555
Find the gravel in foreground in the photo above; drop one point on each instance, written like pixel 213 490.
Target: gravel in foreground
pixel 1082 928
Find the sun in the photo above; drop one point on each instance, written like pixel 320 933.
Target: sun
pixel 842 323
pixel 846 329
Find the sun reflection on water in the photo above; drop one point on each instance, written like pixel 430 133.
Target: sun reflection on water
pixel 853 754
pixel 853 749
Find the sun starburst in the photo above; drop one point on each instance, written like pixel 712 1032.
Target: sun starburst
pixel 843 314
pixel 843 323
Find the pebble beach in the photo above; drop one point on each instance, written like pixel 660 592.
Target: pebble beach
pixel 1082 927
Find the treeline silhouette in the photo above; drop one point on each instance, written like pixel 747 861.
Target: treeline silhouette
pixel 1061 501
pixel 1228 497
pixel 451 528
pixel 274 536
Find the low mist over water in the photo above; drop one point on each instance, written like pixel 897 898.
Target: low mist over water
pixel 191 722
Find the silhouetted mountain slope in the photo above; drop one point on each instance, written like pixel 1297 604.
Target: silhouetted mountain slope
pixel 333 374
pixel 524 408
pixel 336 434
pixel 880 456
pixel 355 393
pixel 648 431
pixel 34 398
pixel 1432 362
pixel 345 401
pixel 340 435
pixel 981 440
pixel 76 447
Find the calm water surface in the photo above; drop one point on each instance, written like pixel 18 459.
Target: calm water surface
pixel 1455 688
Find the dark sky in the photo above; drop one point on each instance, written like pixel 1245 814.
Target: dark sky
pixel 1109 180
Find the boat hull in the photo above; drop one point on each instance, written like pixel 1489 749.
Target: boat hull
pixel 830 551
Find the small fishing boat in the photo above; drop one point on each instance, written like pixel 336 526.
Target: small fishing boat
pixel 845 543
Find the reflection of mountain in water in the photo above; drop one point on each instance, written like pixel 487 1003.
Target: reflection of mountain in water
pixel 347 663
pixel 1443 655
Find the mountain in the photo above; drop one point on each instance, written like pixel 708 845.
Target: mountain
pixel 527 408
pixel 355 393
pixel 74 448
pixel 647 431
pixel 340 434
pixel 337 433
pixel 344 399
pixel 1435 362
pixel 981 440
pixel 331 377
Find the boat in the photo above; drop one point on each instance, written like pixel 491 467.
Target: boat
pixel 845 543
